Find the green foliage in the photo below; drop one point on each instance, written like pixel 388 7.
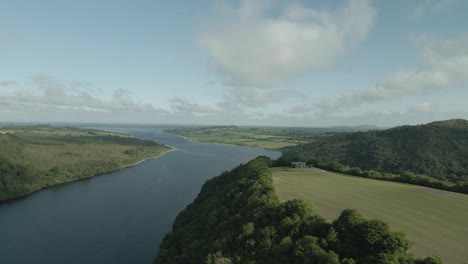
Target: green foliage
pixel 461 187
pixel 422 213
pixel 237 218
pixel 438 150
pixel 35 157
pixel 248 229
pixel 344 147
pixel 368 240
pixel 430 260
pixel 406 177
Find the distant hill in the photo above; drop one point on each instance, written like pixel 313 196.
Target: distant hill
pixel 354 128
pixel 438 149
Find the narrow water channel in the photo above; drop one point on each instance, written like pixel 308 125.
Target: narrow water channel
pixel 120 217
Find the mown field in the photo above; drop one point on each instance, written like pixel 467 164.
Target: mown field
pixel 435 220
pixel 34 157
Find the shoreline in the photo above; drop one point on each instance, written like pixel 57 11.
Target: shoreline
pixel 22 196
pixel 227 144
pixel 141 161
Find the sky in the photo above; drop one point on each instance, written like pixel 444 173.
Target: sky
pixel 244 62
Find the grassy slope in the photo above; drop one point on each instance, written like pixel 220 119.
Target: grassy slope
pixel 435 220
pixel 32 158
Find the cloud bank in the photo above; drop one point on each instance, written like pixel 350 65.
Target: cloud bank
pixel 250 47
pixel 183 106
pixel 50 94
pixel 444 65
pixel 8 83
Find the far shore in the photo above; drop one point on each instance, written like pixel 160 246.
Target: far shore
pixel 221 143
pixel 138 162
pixel 86 177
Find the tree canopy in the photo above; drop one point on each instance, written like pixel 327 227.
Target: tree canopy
pixel 237 218
pixel 438 150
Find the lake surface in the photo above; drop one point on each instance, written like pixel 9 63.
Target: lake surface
pixel 119 217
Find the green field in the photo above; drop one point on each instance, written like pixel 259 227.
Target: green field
pixel 267 138
pixel 47 130
pixel 437 221
pixel 34 157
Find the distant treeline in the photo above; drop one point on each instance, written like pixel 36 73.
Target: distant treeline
pixel 406 177
pixel 237 218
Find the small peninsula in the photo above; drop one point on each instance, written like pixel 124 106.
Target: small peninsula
pixel 35 157
pixel 274 138
pixel 256 137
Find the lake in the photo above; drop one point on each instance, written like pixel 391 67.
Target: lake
pixel 119 217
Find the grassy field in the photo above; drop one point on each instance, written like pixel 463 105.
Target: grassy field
pixel 267 138
pixel 34 157
pixel 46 130
pixel 437 221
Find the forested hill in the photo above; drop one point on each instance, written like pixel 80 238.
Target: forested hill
pixel 438 149
pixel 34 157
pixel 237 218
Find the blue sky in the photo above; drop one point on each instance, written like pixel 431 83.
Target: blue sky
pixel 272 62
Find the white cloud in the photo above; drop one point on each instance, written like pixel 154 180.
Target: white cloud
pixel 301 109
pixel 49 94
pixel 385 117
pixel 428 7
pixel 183 106
pixel 251 48
pixel 238 97
pixel 422 107
pixel 444 66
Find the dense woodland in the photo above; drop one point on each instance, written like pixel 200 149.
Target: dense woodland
pixel 32 158
pixel 237 218
pixel 438 150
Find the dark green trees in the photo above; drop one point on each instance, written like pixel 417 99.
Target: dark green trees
pixel 237 218
pixel 369 241
pixel 438 150
pixel 430 260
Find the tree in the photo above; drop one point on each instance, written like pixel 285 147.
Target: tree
pixel 430 260
pixel 360 239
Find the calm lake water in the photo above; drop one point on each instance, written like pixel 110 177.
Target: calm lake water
pixel 120 217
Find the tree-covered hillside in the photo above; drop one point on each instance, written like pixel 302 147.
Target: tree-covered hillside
pixel 438 149
pixel 237 218
pixel 35 157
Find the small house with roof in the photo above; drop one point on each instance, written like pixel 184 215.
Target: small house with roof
pixel 298 164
